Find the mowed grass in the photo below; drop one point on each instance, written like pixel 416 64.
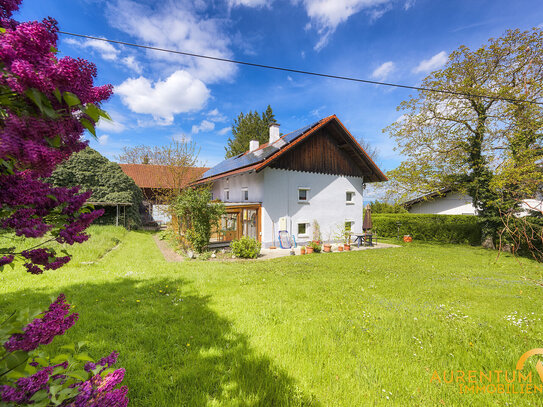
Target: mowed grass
pixel 342 329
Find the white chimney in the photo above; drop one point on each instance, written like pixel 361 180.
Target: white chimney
pixel 274 133
pixel 253 145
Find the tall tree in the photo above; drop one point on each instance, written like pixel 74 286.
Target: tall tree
pixel 486 122
pixel 247 127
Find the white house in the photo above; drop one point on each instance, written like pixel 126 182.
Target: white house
pixel 317 173
pixel 449 202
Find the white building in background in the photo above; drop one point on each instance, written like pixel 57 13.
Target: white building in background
pixel 317 173
pixel 449 202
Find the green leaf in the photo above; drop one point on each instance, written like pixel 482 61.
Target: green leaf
pixel 84 357
pixel 89 126
pixel 16 359
pixel 57 94
pixel 53 50
pixel 78 374
pixel 71 99
pixel 54 142
pixel 92 111
pixel 2 30
pixel 70 346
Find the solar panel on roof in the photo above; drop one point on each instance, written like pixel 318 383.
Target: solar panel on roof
pixel 257 156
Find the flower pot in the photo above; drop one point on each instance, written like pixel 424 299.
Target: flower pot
pixel 340 248
pixel 407 239
pixel 327 248
pixel 347 247
pixel 309 250
pixel 302 250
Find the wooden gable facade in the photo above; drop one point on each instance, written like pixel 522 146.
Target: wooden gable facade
pixel 329 150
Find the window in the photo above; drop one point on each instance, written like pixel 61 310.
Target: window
pixel 302 229
pixel 212 196
pixel 244 194
pixel 349 197
pixel 226 194
pixel 303 195
pixel 348 225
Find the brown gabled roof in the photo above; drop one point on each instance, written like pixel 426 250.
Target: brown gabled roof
pixel 246 163
pixel 160 176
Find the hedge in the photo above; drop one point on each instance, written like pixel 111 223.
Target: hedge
pixel 437 228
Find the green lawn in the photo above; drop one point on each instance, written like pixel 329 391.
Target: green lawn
pixel 345 329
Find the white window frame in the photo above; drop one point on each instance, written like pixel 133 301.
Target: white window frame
pixel 243 191
pixel 351 221
pixel 226 194
pixel 351 202
pixel 307 192
pixel 303 235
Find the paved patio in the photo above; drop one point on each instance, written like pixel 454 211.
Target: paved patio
pixel 266 254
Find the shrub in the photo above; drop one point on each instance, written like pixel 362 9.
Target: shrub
pixel 198 215
pixel 385 207
pixel 439 228
pixel 246 248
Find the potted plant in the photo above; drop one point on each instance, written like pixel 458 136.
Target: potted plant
pixel 302 250
pixel 309 249
pixel 315 246
pixel 316 232
pixel 339 248
pixel 327 248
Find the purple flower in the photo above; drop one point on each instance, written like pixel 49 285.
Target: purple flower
pixel 106 362
pixel 41 331
pixel 25 387
pixel 6 260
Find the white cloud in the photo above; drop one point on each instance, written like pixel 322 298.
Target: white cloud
pixel 326 15
pixel 115 125
pixel 428 65
pixel 177 25
pixel 103 139
pixel 107 51
pixel 383 71
pixel 223 131
pixel 131 63
pixel 182 137
pixel 205 126
pixel 249 3
pixel 216 116
pixel 179 93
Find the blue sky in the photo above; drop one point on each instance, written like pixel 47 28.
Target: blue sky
pixel 162 96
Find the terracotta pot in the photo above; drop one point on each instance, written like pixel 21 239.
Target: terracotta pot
pixel 407 239
pixel 302 250
pixel 340 248
pixel 309 250
pixel 327 248
pixel 273 247
pixel 347 247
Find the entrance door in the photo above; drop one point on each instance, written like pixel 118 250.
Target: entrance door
pixel 250 228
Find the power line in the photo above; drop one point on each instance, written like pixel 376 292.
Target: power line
pixel 299 71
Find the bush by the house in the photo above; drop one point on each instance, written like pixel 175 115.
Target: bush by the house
pixel 246 248
pixel 385 207
pixel 439 228
pixel 198 216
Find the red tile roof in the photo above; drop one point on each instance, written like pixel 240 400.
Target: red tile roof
pixel 159 176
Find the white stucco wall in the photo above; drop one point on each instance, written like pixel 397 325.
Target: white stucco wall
pixel 235 184
pixel 450 204
pixel 460 204
pixel 326 204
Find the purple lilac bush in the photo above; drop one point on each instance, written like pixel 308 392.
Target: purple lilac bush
pixel 45 105
pixel 51 103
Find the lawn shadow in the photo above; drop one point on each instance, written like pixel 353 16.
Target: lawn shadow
pixel 177 351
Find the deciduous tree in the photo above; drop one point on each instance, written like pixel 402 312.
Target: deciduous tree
pixel 483 122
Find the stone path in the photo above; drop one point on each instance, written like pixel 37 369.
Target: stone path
pixel 169 254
